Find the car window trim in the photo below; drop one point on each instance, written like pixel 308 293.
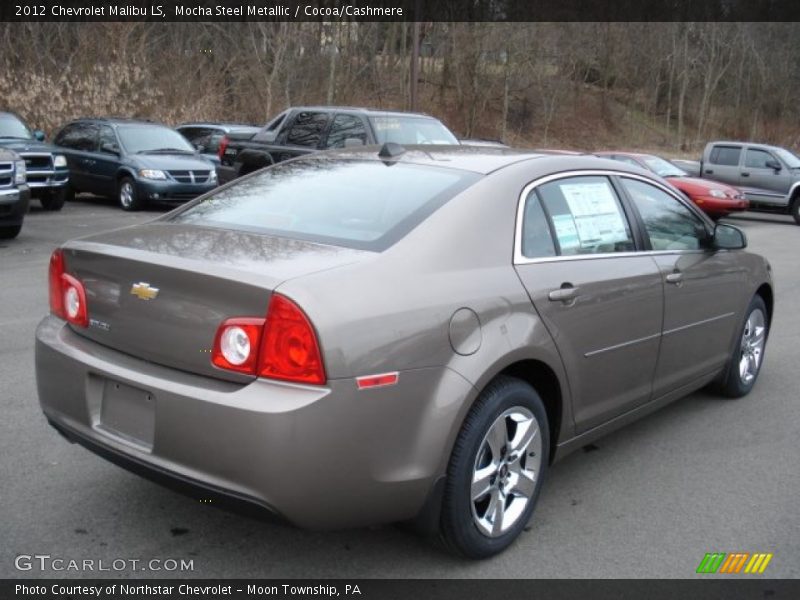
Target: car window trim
pixel 520 259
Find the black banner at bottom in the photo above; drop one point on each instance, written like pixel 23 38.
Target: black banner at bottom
pixel 411 589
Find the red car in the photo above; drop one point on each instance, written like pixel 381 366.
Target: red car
pixel 715 199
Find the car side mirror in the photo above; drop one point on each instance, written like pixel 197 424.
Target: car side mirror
pixel 110 149
pixel 39 135
pixel 773 164
pixel 728 237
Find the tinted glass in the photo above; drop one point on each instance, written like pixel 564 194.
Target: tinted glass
pixel 307 129
pixel 359 204
pixel 106 138
pixel 790 159
pixel 661 167
pixel 725 155
pixel 12 127
pixel 78 136
pixel 669 223
pixel 537 239
pixel 411 130
pixel 152 138
pixel 757 159
pixel 586 216
pixel 346 127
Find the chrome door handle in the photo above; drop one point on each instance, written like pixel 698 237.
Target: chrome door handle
pixel 564 294
pixel 676 278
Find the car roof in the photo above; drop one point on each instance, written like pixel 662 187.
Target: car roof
pixel 220 125
pixel 360 109
pixel 118 121
pixel 477 159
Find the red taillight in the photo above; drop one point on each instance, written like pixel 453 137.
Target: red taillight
pixel 56 295
pixel 283 346
pixel 67 294
pixel 223 145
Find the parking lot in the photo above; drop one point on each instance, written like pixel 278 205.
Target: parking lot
pixel 703 475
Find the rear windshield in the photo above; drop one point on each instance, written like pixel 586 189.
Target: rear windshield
pixel 411 130
pixel 360 204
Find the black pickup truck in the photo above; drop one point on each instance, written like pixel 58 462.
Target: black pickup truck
pixel 306 129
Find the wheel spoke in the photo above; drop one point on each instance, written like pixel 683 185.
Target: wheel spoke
pixel 495 512
pixel 482 481
pixel 497 438
pixel 524 485
pixel 526 431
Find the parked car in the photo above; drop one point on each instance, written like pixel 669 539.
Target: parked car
pixel 14 193
pixel 206 136
pixel 342 338
pixel 136 162
pixel 46 168
pixel 303 130
pixel 768 175
pixel 715 199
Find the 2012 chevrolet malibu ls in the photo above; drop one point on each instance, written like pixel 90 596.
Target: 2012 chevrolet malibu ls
pixel 413 334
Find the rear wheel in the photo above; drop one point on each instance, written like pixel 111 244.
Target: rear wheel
pixel 496 470
pixel 7 232
pixel 747 358
pixel 53 199
pixel 127 195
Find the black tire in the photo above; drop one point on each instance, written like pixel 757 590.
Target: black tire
pixel 69 193
pixel 794 209
pixel 53 200
pixel 9 232
pixel 128 196
pixel 733 383
pixel 460 520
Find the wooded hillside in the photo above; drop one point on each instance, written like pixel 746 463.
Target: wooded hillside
pixel 578 85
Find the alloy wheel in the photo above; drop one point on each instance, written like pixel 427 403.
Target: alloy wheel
pixel 752 346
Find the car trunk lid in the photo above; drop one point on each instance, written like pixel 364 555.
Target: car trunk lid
pixel 159 291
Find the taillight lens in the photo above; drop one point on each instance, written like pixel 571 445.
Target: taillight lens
pixel 283 346
pixel 236 344
pixel 290 350
pixel 56 294
pixel 223 145
pixel 67 294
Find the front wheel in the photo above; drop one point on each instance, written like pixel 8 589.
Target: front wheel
pixel 53 199
pixel 794 210
pixel 7 233
pixel 496 470
pixel 127 195
pixel 747 358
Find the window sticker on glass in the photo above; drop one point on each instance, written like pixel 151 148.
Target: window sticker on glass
pixel 597 215
pixel 566 232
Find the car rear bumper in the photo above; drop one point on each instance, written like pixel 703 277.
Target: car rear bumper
pixel 170 191
pixel 14 204
pixel 321 457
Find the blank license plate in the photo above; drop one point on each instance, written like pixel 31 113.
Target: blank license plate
pixel 129 413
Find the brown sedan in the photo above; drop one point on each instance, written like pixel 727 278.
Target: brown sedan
pixel 415 334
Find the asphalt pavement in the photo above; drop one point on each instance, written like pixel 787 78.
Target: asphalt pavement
pixel 702 475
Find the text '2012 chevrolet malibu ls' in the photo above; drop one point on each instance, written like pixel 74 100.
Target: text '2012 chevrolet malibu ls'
pixel 414 334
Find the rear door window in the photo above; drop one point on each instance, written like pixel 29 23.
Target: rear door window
pixel 585 216
pixel 307 129
pixel 725 155
pixel 346 127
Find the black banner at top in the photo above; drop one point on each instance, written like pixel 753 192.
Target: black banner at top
pixel 399 10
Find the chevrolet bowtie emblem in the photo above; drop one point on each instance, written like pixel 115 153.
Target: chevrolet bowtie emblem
pixel 143 291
